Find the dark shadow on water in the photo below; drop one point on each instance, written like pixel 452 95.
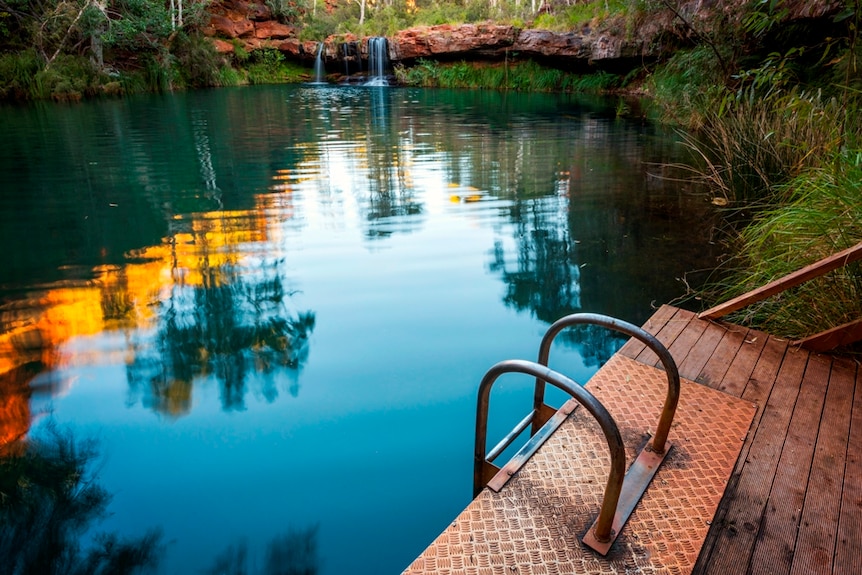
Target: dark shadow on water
pixel 49 499
pixel 293 553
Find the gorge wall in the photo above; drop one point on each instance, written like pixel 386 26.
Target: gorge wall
pixel 250 25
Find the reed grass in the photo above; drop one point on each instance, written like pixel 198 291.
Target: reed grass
pixel 821 216
pixel 525 76
pixel 750 151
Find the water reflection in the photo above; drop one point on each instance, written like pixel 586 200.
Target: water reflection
pixel 195 247
pixel 233 324
pixel 293 553
pixel 192 307
pixel 50 498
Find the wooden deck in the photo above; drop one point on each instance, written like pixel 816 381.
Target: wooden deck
pixel 794 501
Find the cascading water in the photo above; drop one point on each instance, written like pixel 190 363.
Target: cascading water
pixel 318 65
pixel 378 61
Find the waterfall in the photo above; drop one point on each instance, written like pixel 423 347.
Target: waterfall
pixel 349 53
pixel 345 57
pixel 378 50
pixel 318 65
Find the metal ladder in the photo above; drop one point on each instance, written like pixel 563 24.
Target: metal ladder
pixel 623 489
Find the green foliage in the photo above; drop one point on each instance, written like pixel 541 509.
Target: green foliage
pixel 823 215
pixel 265 66
pixel 683 87
pixel 143 24
pixel 69 78
pixel 158 72
pixel 519 76
pixel 269 67
pixel 318 27
pixel 286 11
pixel 577 14
pixel 228 76
pixel 766 132
pixel 596 83
pixel 763 16
pixel 18 73
pixel 441 13
pixel 387 21
pixel 197 60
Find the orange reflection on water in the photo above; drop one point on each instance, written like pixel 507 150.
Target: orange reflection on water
pixel 33 331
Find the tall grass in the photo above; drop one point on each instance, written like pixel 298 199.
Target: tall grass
pixel 18 73
pixel 683 89
pixel 270 67
pixel 750 151
pixel 823 215
pixel 518 76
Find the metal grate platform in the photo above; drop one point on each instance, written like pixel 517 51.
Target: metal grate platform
pixel 534 524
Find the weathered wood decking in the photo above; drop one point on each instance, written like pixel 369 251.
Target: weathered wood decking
pixel 794 501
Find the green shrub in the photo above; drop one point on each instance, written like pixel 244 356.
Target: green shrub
pixel 158 72
pixel 823 215
pixel 228 76
pixel 319 27
pixel 268 66
pixel 598 82
pixel 683 89
pixel 197 60
pixel 68 78
pixel 749 151
pixel 17 74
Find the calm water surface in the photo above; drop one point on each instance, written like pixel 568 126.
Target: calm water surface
pixel 271 307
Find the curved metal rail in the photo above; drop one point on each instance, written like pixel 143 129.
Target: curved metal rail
pixel 621 493
pixel 482 468
pixel 672 399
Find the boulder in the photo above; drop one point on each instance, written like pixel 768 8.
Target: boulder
pixel 227 27
pixel 273 29
pixel 556 44
pixel 447 39
pixel 223 46
pixel 292 47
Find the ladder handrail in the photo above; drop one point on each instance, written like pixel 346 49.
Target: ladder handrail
pixel 809 272
pixel 604 523
pixel 672 398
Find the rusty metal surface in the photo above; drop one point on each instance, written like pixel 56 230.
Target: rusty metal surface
pixel 533 525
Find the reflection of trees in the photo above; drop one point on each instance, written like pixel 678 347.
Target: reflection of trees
pixel 386 194
pixel 545 281
pixel 49 500
pixel 234 323
pixel 545 278
pixel 608 240
pixel 294 553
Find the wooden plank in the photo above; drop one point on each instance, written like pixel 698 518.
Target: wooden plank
pixel 694 362
pixel 718 365
pixel 741 371
pixel 818 530
pixel 653 325
pixel 776 540
pixel 830 339
pixel 815 541
pixel 687 339
pixel 848 548
pixel 814 270
pixel 667 335
pixel 731 538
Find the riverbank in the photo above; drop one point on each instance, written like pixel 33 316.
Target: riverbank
pixel 767 93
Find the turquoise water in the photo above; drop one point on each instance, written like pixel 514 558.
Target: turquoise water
pixel 270 307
